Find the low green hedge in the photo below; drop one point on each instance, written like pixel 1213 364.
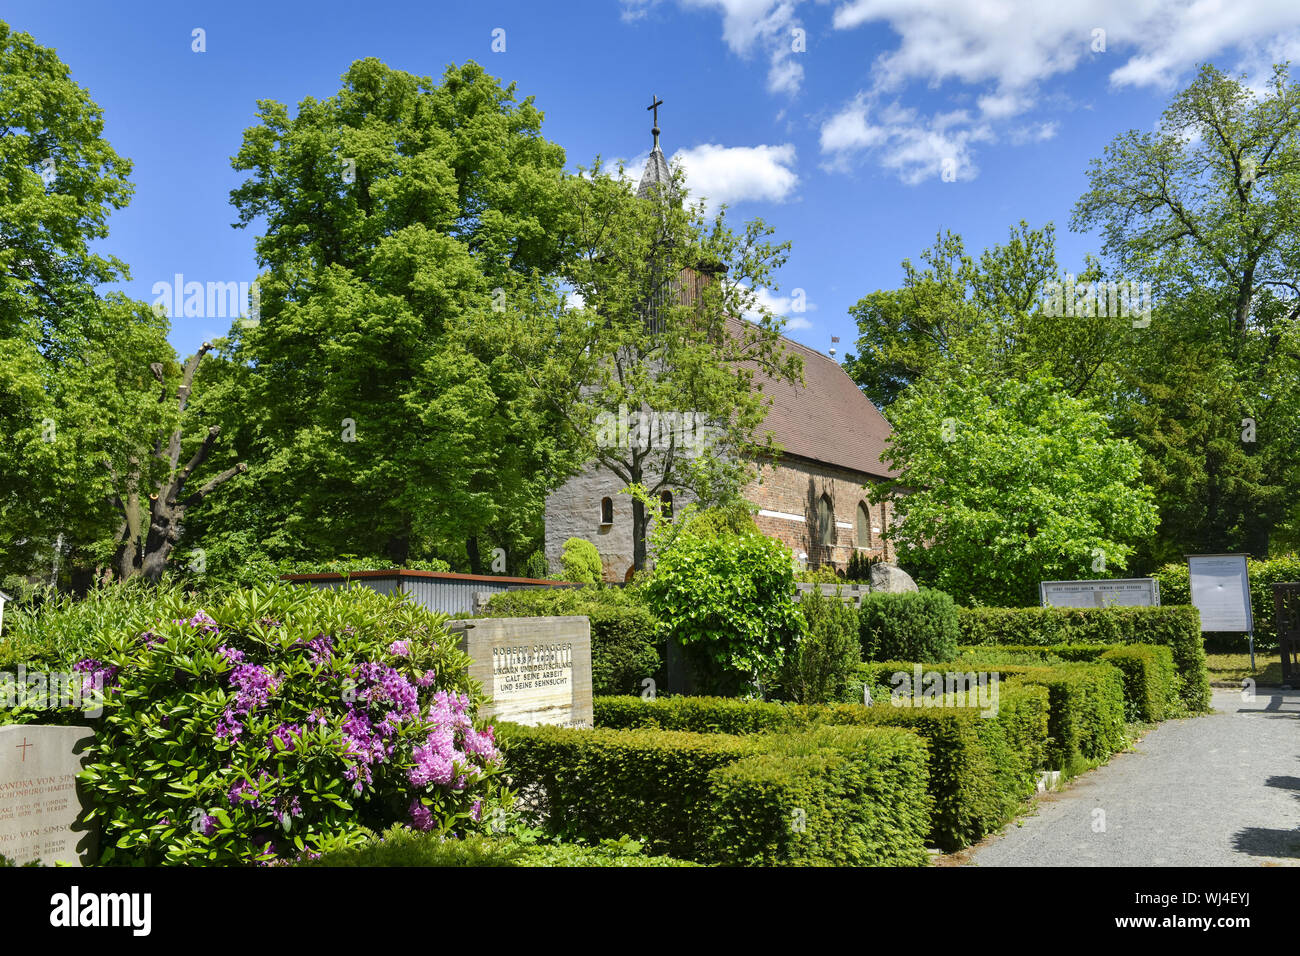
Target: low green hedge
pixel 834 796
pixel 1150 682
pixel 624 650
pixel 405 847
pixel 1086 711
pixel 981 769
pixel 1177 628
pixel 831 796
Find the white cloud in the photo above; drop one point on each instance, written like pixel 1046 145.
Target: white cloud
pixel 782 305
pixel 748 26
pixel 916 148
pixel 733 174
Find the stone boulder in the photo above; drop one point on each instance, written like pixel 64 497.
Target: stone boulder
pixel 891 579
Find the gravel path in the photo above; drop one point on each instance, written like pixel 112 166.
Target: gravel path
pixel 1219 790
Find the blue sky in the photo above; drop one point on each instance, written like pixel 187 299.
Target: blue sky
pixel 842 145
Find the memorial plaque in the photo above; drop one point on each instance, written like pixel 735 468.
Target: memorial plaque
pixel 38 793
pixel 535 670
pixel 1116 592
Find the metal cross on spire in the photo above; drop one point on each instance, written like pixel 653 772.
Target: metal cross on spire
pixel 654 106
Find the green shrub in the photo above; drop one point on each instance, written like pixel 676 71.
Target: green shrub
pixel 1178 628
pixel 349 562
pixel 831 796
pixel 821 667
pixel 835 796
pixel 401 846
pixel 918 626
pixel 625 649
pixel 1024 711
pixel 536 566
pixel 277 721
pixel 728 600
pixel 1150 683
pixel 581 562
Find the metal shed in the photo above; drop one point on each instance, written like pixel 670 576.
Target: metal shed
pixel 440 591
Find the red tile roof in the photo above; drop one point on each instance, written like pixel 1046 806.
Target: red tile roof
pixel 827 419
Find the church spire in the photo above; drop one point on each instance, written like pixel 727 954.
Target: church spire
pixel 656 171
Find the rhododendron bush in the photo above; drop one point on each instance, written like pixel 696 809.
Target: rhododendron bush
pixel 281 722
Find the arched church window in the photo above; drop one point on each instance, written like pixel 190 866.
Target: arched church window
pixel 864 525
pixel 666 498
pixel 606 510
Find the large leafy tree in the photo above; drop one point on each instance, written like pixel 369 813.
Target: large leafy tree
pixel 1205 209
pixel 78 403
pixel 1002 485
pixel 408 226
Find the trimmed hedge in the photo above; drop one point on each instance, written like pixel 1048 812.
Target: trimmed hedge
pixel 1150 682
pixel 1086 712
pixel 915 626
pixel 833 796
pixel 981 769
pixel 624 650
pixel 1177 628
pixel 403 847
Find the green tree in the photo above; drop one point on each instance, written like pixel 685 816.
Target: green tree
pixel 1205 209
pixel 410 226
pixel 1004 484
pixel 79 413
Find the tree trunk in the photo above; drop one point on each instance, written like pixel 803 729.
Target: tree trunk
pixel 471 548
pixel 638 534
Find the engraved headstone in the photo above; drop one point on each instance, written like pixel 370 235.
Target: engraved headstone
pixel 38 793
pixel 534 670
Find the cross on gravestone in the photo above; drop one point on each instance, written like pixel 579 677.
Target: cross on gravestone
pixel 24 747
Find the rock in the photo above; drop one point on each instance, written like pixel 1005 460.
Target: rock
pixel 891 579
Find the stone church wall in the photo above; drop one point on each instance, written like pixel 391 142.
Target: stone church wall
pixel 786 494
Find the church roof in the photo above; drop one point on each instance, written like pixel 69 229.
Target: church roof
pixel 827 419
pixel 656 173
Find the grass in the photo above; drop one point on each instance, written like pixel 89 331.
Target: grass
pixel 1234 668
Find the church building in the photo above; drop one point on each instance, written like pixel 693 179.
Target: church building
pixel 813 497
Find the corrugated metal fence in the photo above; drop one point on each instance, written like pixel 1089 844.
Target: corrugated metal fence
pixel 439 591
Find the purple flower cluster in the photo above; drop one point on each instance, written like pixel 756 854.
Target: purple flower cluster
pixel 231 654
pixel 97 674
pixel 400 648
pixel 383 693
pixel 287 734
pixel 421 818
pixel 254 686
pixel 445 757
pixel 201 621
pixel 320 649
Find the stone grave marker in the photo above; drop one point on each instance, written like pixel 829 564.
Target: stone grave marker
pixel 535 670
pixel 38 793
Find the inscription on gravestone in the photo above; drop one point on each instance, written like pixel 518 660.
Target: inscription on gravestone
pixel 38 793
pixel 535 670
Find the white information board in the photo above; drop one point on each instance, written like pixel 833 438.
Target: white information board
pixel 1221 591
pixel 1116 592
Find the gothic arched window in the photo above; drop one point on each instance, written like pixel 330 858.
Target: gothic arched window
pixel 666 499
pixel 606 510
pixel 864 525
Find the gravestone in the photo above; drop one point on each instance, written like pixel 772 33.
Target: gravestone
pixel 38 793
pixel 534 670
